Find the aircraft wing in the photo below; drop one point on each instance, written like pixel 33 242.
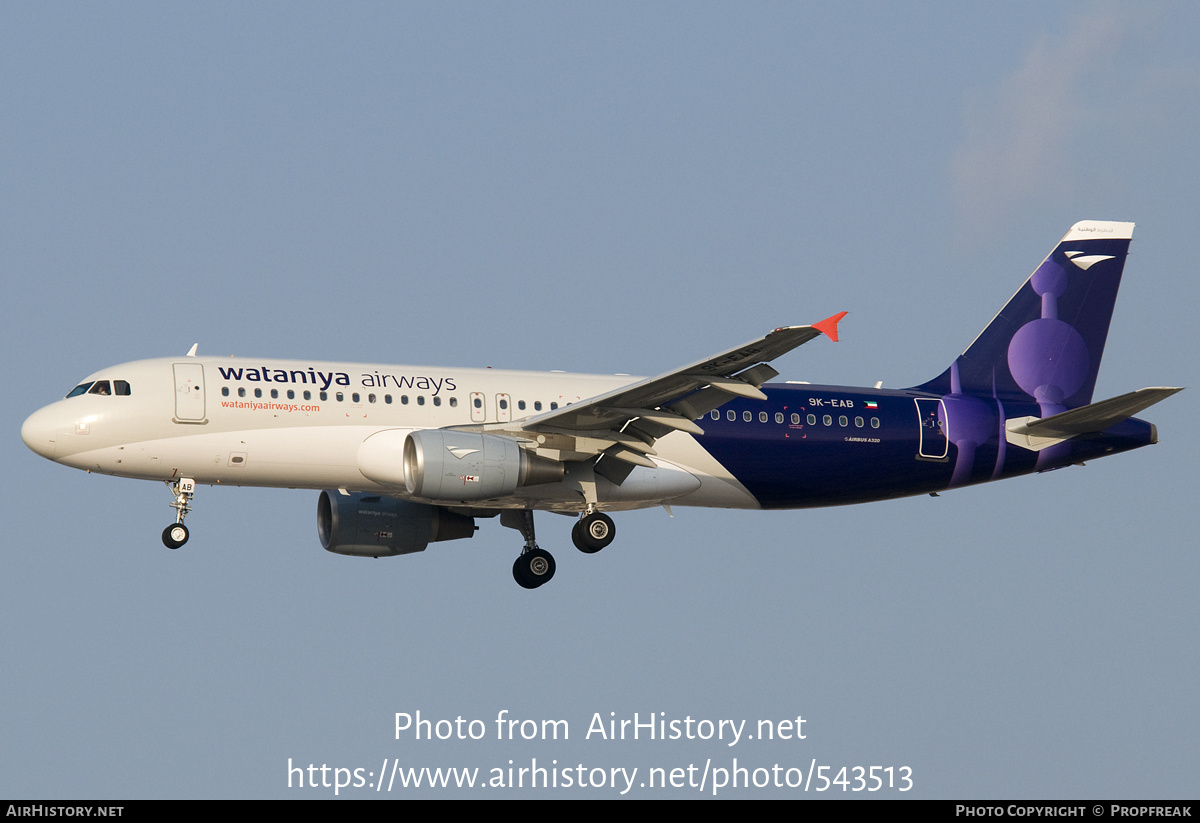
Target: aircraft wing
pixel 624 423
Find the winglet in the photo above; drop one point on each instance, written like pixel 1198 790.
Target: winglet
pixel 828 326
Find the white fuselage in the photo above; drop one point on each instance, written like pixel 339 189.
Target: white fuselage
pixel 299 424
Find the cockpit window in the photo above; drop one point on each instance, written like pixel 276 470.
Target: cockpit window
pixel 120 388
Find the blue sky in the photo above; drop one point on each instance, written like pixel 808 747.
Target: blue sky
pixel 609 188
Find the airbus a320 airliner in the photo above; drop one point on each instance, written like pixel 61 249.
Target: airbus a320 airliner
pixel 407 456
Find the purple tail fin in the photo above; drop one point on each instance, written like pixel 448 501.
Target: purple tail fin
pixel 1047 341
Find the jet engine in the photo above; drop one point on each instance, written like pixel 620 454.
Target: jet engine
pixel 440 464
pixel 371 525
pixel 452 465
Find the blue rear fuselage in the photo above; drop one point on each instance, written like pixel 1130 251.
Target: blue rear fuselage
pixel 810 445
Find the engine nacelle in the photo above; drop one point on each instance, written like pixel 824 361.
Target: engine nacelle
pixel 450 465
pixel 371 525
pixel 439 464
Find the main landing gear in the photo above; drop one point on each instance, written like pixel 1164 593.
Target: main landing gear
pixel 593 532
pixel 535 566
pixel 182 490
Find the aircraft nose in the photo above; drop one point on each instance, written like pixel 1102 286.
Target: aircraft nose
pixel 40 433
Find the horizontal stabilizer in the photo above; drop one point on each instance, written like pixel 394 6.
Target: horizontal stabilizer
pixel 1038 433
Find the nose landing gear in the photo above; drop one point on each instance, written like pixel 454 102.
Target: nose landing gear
pixel 175 535
pixel 182 490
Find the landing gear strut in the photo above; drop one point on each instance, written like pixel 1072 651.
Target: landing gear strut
pixel 534 566
pixel 593 532
pixel 182 490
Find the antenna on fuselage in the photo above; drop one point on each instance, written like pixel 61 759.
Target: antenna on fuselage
pixel 192 350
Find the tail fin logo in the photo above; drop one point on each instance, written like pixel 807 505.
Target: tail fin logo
pixel 1046 343
pixel 1087 260
pixel 1044 348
